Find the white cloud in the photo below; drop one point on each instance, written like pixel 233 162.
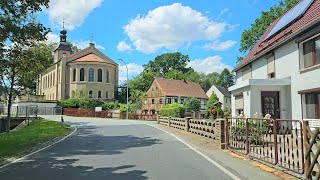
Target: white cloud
pixel 170 27
pixel 220 46
pixel 85 44
pixel 71 12
pixel 208 65
pixel 123 46
pixel 133 68
pixel 223 12
pixel 52 38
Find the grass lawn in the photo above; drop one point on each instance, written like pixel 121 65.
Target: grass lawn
pixel 22 140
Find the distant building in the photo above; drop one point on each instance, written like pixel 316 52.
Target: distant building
pixel 223 95
pixel 88 70
pixel 166 91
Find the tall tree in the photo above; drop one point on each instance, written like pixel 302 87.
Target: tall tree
pixel 250 36
pixel 164 63
pixel 19 30
pixel 41 57
pixel 226 79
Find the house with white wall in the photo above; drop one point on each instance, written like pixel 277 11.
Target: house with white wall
pixel 223 95
pixel 281 73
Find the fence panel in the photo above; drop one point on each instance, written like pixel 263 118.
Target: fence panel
pixel 290 145
pixel 261 139
pixel 312 147
pixel 178 123
pixel 236 133
pixel 202 128
pixel 278 142
pixel 163 120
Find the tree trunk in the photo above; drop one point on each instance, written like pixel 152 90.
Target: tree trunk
pixel 10 100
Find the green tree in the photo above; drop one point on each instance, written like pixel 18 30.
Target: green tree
pixel 20 30
pixel 164 63
pixel 226 79
pixel 40 54
pixel 175 74
pixel 192 104
pixel 213 99
pixel 250 36
pixel 74 48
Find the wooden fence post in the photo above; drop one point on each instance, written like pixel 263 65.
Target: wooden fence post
pixel 158 118
pixel 247 136
pixel 226 133
pixel 169 124
pixel 187 119
pixel 306 144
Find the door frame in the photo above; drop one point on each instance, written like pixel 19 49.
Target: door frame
pixel 274 94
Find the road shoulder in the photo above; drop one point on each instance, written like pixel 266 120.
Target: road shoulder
pixel 237 165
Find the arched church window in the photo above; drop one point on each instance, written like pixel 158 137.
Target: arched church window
pixel 99 94
pixel 74 75
pixel 82 74
pixel 107 76
pixel 90 94
pixel 99 75
pixel 91 74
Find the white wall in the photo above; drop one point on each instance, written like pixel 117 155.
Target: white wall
pixel 286 66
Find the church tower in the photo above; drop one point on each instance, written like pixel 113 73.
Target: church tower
pixel 63 48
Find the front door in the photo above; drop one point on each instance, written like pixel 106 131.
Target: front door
pixel 270 103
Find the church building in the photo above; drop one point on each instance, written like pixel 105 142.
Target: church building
pixel 88 70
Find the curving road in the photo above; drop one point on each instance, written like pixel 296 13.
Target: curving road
pixel 114 149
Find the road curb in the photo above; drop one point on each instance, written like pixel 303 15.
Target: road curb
pixel 50 143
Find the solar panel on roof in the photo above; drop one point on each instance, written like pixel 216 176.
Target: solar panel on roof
pixel 290 16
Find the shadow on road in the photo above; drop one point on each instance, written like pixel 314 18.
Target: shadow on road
pixel 85 155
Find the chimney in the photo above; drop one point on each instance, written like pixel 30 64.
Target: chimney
pixel 91 45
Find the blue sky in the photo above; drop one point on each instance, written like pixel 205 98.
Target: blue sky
pixel 137 31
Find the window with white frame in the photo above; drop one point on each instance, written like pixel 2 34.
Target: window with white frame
pixel 203 104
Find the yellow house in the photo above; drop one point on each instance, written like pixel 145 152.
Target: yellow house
pixel 88 70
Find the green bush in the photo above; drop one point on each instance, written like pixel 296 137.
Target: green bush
pixel 70 103
pixel 108 105
pixel 90 104
pixel 133 107
pixel 173 110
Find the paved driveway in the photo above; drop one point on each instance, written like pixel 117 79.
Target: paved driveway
pixel 114 149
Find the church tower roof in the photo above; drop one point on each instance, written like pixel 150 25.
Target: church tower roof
pixel 63 45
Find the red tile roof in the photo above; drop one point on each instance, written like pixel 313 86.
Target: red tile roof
pixel 311 16
pixel 90 58
pixel 173 87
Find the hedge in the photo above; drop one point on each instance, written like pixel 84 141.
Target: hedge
pixel 173 110
pixel 87 104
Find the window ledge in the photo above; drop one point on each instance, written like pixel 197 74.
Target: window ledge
pixel 310 68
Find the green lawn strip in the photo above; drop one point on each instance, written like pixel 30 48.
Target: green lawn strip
pixel 39 131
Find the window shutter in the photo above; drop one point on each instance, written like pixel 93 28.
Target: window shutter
pixel 239 102
pixel 271 68
pixel 246 74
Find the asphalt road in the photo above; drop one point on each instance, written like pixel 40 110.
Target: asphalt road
pixel 114 149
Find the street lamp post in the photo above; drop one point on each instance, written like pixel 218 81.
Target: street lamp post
pixel 127 89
